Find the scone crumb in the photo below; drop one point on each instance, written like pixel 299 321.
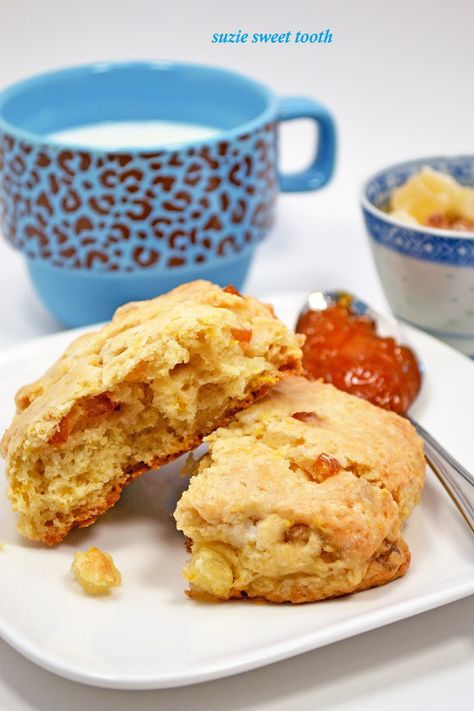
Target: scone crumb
pixel 307 417
pixel 95 571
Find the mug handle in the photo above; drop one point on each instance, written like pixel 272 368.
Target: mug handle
pixel 322 167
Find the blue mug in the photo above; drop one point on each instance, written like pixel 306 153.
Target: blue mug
pixel 99 225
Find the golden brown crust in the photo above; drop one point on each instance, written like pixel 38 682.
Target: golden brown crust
pixel 379 573
pixel 382 571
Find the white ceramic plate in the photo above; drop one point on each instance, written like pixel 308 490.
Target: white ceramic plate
pixel 148 634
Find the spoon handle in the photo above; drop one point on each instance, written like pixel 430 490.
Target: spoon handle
pixel 450 473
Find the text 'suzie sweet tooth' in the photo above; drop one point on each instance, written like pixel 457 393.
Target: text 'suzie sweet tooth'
pixel 134 395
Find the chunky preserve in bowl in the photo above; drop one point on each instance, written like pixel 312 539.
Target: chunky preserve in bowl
pixel 434 199
pixel 424 253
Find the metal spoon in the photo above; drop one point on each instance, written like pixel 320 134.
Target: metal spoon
pixel 448 470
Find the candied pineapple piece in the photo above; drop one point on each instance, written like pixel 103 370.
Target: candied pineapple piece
pixel 210 571
pixel 95 571
pixel 426 193
pixel 434 199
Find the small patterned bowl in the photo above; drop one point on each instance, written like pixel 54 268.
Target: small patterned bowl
pixel 427 274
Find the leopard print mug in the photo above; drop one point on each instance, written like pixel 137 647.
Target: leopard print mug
pixel 101 226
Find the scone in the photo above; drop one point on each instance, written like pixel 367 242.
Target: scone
pixel 301 498
pixel 135 394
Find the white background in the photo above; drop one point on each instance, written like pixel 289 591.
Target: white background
pixel 398 78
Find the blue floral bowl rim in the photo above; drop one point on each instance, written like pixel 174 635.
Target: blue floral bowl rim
pixel 268 115
pixel 386 217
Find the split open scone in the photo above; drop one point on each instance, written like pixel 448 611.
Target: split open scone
pixel 301 498
pixel 134 395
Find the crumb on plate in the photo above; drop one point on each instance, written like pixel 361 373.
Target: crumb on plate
pixel 95 571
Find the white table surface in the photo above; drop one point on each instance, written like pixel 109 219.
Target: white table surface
pixel 398 78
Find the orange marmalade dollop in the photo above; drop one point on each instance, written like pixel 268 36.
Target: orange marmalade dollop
pixel 343 348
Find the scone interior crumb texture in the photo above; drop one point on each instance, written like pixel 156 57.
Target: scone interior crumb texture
pixel 135 394
pixel 95 571
pixel 302 498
